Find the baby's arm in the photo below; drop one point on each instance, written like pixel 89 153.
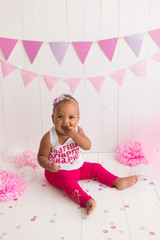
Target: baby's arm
pixel 43 154
pixel 82 140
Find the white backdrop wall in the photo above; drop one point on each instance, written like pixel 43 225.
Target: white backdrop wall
pixel 111 117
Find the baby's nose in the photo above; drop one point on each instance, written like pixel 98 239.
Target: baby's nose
pixel 65 120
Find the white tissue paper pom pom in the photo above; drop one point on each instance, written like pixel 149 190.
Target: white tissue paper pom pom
pixel 11 155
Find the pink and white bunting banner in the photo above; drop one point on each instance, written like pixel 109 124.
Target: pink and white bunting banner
pixel 156 57
pixel 140 68
pixel 51 81
pixel 7 45
pixel 135 43
pixel 32 48
pixel 82 49
pixel 7 68
pixel 28 76
pixel 119 75
pixel 108 46
pixel 73 83
pixel 59 49
pixel 155 34
pixel 97 82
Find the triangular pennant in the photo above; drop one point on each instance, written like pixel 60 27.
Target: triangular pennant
pixel 51 81
pixel 135 43
pixel 7 45
pixel 28 76
pixel 155 34
pixel 97 82
pixel 119 75
pixel 140 68
pixel 7 68
pixel 59 49
pixel 32 48
pixel 82 49
pixel 156 57
pixel 108 46
pixel 73 83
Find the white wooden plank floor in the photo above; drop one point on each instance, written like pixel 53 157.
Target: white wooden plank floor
pixel 45 212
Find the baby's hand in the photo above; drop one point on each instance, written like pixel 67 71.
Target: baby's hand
pixel 70 131
pixel 52 167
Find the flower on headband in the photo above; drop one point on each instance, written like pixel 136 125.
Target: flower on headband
pixel 59 99
pixel 64 98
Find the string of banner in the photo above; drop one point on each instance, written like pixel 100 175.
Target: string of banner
pixel 82 48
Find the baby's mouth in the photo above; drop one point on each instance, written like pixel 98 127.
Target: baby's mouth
pixel 64 127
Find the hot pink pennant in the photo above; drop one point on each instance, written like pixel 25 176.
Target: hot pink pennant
pixel 155 34
pixel 156 57
pixel 32 48
pixel 140 68
pixel 82 49
pixel 108 46
pixel 7 68
pixel 28 76
pixel 119 75
pixel 7 45
pixel 73 83
pixel 59 49
pixel 51 81
pixel 135 43
pixel 97 82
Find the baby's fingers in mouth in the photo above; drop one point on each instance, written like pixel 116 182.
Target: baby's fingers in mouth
pixel 64 127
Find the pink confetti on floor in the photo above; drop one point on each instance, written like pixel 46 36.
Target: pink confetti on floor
pixel 151 183
pixel 113 227
pixel 18 227
pixel 152 233
pixel 105 231
pixel 15 199
pixel 106 211
pixel 142 228
pixel 44 185
pixel 33 219
pixel 52 221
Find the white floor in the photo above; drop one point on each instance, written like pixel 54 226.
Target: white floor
pixel 45 212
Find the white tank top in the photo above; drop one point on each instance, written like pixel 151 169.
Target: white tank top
pixel 68 155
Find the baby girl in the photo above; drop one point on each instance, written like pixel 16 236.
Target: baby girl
pixel 60 154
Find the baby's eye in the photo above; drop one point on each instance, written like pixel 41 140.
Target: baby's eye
pixel 60 116
pixel 71 117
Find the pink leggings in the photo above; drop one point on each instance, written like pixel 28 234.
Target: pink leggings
pixel 68 180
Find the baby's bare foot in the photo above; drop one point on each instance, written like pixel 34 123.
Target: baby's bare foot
pixel 122 183
pixel 90 206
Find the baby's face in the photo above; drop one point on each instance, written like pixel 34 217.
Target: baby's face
pixel 66 114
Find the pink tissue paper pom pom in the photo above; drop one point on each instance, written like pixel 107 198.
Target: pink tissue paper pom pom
pixel 28 158
pixel 130 154
pixel 11 186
